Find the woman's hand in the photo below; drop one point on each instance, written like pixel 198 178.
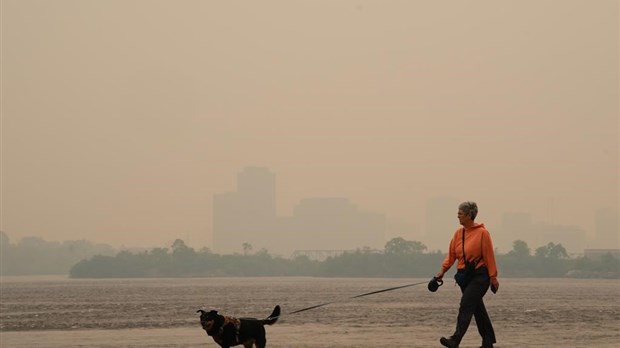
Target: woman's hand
pixel 440 274
pixel 494 285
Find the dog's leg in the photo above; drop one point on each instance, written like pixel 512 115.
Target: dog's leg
pixel 260 343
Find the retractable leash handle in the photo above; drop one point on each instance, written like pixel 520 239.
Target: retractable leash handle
pixel 434 284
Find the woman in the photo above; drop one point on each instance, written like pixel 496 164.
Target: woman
pixel 471 245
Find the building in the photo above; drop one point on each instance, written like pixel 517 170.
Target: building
pixel 336 223
pixel 248 216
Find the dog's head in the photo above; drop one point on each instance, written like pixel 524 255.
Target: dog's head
pixel 208 319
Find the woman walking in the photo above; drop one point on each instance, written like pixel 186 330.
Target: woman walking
pixel 472 246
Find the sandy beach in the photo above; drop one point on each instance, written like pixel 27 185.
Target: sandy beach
pixel 60 312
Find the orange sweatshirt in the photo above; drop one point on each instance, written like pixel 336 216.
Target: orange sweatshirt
pixel 478 245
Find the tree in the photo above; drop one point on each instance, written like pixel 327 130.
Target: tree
pixel 552 251
pixel 178 246
pixel 549 260
pixel 520 249
pixel 247 248
pixel 400 246
pixel 610 263
pixel 183 257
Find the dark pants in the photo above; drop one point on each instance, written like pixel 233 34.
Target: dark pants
pixel 472 305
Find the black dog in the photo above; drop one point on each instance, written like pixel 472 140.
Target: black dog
pixel 229 331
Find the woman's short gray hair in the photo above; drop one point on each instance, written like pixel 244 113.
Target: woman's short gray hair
pixel 470 209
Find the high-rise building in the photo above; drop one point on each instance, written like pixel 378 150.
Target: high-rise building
pixel 256 187
pixel 247 215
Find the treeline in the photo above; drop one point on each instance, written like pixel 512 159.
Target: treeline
pixel 403 259
pixel 552 260
pixel 35 256
pixel 400 258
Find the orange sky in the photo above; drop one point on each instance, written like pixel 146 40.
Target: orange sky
pixel 122 119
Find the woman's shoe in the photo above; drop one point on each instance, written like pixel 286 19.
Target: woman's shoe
pixel 448 342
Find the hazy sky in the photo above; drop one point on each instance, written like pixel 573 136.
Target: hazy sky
pixel 121 118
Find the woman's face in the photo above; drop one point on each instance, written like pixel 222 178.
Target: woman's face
pixel 463 218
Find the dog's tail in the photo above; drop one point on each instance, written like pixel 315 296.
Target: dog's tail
pixel 270 320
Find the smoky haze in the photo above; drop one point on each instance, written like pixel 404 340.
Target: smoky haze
pixel 123 121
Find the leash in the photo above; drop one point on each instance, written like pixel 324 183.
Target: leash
pixel 356 296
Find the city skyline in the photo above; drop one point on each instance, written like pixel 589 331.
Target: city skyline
pixel 437 224
pixel 247 215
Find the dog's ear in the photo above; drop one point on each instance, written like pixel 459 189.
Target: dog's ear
pixel 201 311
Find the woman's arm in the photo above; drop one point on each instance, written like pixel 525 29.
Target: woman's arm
pixel 488 255
pixel 449 260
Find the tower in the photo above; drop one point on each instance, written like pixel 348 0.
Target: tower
pixel 245 215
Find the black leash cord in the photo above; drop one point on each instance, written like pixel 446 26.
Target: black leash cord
pixel 362 295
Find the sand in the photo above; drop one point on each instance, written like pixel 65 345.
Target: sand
pixel 58 312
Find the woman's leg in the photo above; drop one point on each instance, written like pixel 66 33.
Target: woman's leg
pixel 470 301
pixel 483 322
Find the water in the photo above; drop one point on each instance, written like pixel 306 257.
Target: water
pixel 59 312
